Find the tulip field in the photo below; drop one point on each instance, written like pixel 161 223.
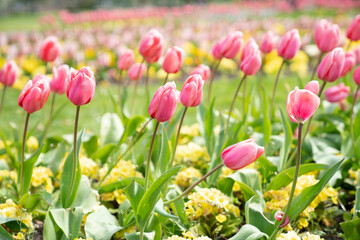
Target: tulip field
pixel 236 121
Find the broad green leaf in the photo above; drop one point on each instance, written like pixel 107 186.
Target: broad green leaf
pixel 216 156
pixel 159 208
pixel 163 163
pixel 131 126
pixel 8 150
pixel 136 236
pixel 51 230
pixel 68 220
pixel 68 195
pixel 249 232
pixel 285 177
pixel 91 145
pixel 308 194
pixel 355 126
pixel 52 159
pixel 179 208
pixel 111 129
pixel 28 169
pixel 86 197
pixel 12 223
pixel 151 197
pixel 4 235
pixel 173 123
pixel 254 209
pixel 154 225
pixel 30 202
pixel 119 185
pixel 285 148
pixel 351 229
pixel 134 192
pixel 357 203
pixel 103 152
pixel 101 225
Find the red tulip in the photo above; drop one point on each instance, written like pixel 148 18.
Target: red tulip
pixel 326 35
pixel 192 91
pixel 203 71
pixel 81 88
pixel 126 59
pixel 9 73
pixel 61 79
pixel 353 31
pixel 151 46
pixel 49 49
pixel 331 66
pixel 173 60
pixel 289 44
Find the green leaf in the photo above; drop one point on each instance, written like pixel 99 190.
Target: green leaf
pixel 4 234
pixel 111 129
pixel 254 209
pixel 285 148
pixel 249 232
pixel 134 192
pixel 52 159
pixel 308 194
pixel 51 230
pixel 159 208
pixel 151 197
pixel 173 123
pixel 103 152
pixel 285 177
pixel 91 145
pixel 131 126
pixel 216 156
pixel 12 223
pixel 351 229
pixel 119 184
pixel 8 150
pixel 86 197
pixel 355 126
pixel 179 207
pixel 68 195
pixel 28 169
pixel 163 163
pixel 136 236
pixel 30 202
pixel 101 225
pixel 68 220
pixel 357 203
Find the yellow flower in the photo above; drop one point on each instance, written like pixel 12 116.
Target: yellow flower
pixel 193 153
pixel 221 218
pixel 32 144
pixel 19 236
pixel 288 236
pixel 42 177
pixel 302 223
pixel 272 62
pixel 184 178
pixel 11 210
pixel 89 167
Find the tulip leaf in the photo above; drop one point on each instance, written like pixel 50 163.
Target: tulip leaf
pixel 285 148
pixel 68 195
pixel 159 208
pixel 134 192
pixel 163 163
pixel 31 201
pixel 4 234
pixel 179 208
pixel 103 152
pixel 131 126
pixel 351 229
pixel 355 126
pixel 12 223
pixel 28 169
pixel 52 159
pixel 254 209
pixel 357 203
pixel 8 150
pixel 136 236
pixel 119 184
pixel 68 220
pixel 249 232
pixel 111 129
pixel 86 197
pixel 91 145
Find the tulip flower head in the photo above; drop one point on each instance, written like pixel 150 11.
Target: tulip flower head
pixel 9 73
pixel 331 66
pixel 353 31
pixel 241 154
pixel 313 86
pixel 289 44
pixel 249 48
pixel 192 91
pixel 203 71
pixel 173 60
pixel 61 79
pixel 151 46
pixel 356 76
pixel 228 46
pixel 326 35
pixel 337 93
pixel 252 63
pixel 350 61
pixel 126 59
pixel 136 71
pixel 279 215
pixel 81 88
pixel 49 49
pixel 268 42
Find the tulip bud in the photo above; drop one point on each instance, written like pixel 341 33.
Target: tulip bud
pixel 192 91
pixel 163 105
pixel 61 78
pixel 268 42
pixel 173 60
pixel 337 93
pixel 289 44
pixel 279 215
pixel 326 35
pixel 136 71
pixel 350 61
pixel 249 48
pixel 49 49
pixel 126 60
pixel 356 52
pixel 228 46
pixel 331 66
pixel 203 71
pixel 34 95
pixel 356 76
pixel 313 86
pixel 252 63
pixel 151 46
pixel 9 73
pixel 353 31
pixel 301 105
pixel 81 88
pixel 241 154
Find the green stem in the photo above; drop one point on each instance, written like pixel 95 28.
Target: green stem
pixel 2 99
pixel 233 101
pixel 75 159
pixel 142 233
pixel 275 86
pixel 50 118
pixel 23 155
pixel 177 137
pixel 166 78
pixel 352 117
pixel 316 66
pixel 194 184
pixel 119 88
pixel 212 79
pixel 149 157
pixel 244 96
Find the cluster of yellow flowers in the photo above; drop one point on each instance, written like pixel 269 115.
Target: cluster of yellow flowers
pixel 278 198
pixel 89 167
pixel 11 210
pixel 42 177
pixel 6 174
pixel 188 235
pixel 354 175
pixel 32 144
pixel 120 234
pixel 191 153
pixel 292 235
pixel 184 178
pixel 210 202
pixel 187 133
pixel 124 169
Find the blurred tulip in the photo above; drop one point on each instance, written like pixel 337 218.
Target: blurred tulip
pixel 279 215
pixel 61 78
pixel 163 105
pixel 252 63
pixel 353 31
pixel 136 71
pixel 301 105
pixel 49 49
pixel 337 93
pixel 326 35
pixel 9 73
pixel 268 42
pixel 126 59
pixel 228 46
pixel 173 60
pixel 350 61
pixel 331 66
pixel 356 52
pixel 203 71
pixel 249 48
pixel 81 88
pixel 313 86
pixel 241 154
pixel 34 95
pixel 192 91
pixel 289 44
pixel 151 46
pixel 356 76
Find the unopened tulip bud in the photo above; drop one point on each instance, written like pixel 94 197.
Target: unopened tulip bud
pixel 252 63
pixel 356 76
pixel 173 60
pixel 126 59
pixel 192 91
pixel 353 31
pixel 151 46
pixel 203 71
pixel 49 49
pixel 326 35
pixel 337 93
pixel 331 66
pixel 268 42
pixel 61 79
pixel 136 71
pixel 249 48
pixel 350 61
pixel 279 216
pixel 228 46
pixel 289 44
pixel 81 88
pixel 313 86
pixel 9 73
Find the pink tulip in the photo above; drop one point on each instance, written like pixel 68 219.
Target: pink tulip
pixel 173 60
pixel 353 31
pixel 331 66
pixel 350 61
pixel 249 48
pixel 136 71
pixel 356 76
pixel 356 52
pixel 241 154
pixel 151 46
pixel 61 79
pixel 126 60
pixel 252 63
pixel 163 105
pixel 268 42
pixel 313 86
pixel 337 93
pixel 81 88
pixel 34 95
pixel 326 35
pixel 289 44
pixel 192 91
pixel 9 73
pixel 301 105
pixel 216 50
pixel 203 71
pixel 40 76
pixel 228 46
pixel 49 49
pixel 279 215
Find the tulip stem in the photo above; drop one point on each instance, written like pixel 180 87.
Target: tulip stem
pixel 149 157
pixel 233 101
pixel 244 95
pixel 135 87
pixel 292 191
pixel 177 137
pixel 275 86
pixel 194 184
pixel 119 88
pixel 2 99
pixel 166 78
pixel 75 158
pixel 23 155
pixel 352 117
pixel 316 66
pixel 212 79
pixel 50 118
pixel 147 79
pixel 132 143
